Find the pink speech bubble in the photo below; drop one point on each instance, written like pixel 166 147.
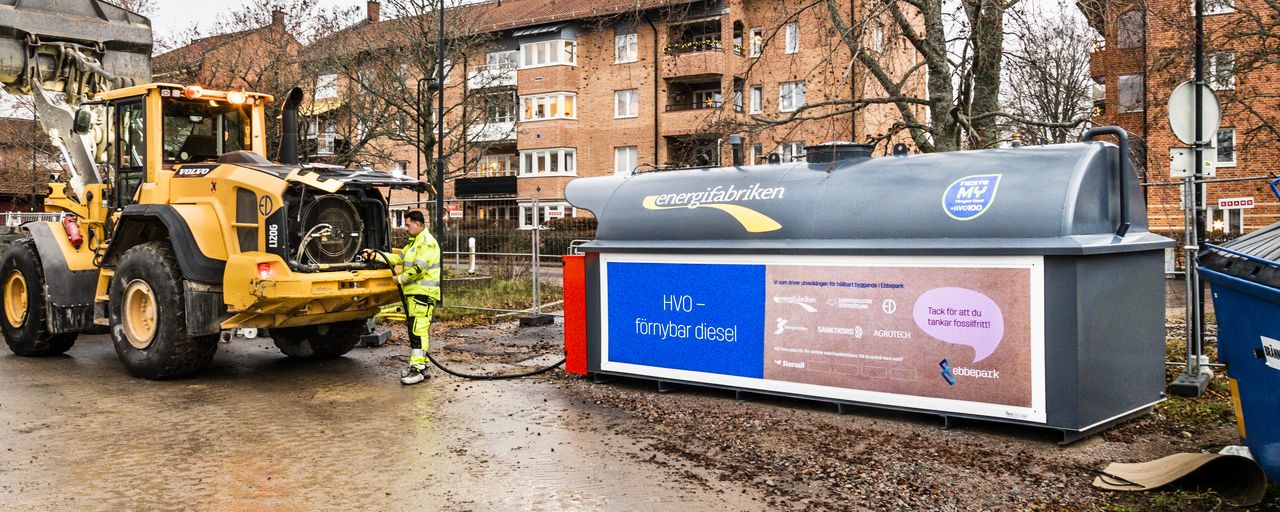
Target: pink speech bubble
pixel 961 316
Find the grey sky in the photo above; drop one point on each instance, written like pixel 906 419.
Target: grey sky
pixel 174 16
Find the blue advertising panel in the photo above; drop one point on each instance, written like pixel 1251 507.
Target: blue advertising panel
pixel 703 318
pixel 938 333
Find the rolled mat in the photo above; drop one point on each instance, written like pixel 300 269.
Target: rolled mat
pixel 1239 481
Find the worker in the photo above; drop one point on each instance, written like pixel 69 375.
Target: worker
pixel 420 281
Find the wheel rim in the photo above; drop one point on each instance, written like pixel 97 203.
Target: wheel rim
pixel 15 299
pixel 140 314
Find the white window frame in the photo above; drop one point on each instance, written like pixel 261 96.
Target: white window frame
pixel 554 52
pixel 755 43
pixel 757 100
pixel 625 159
pixel 397 217
pixel 796 148
pixel 499 61
pixel 792 30
pixel 756 152
pixel 877 38
pixel 626 104
pixel 326 87
pixel 1212 61
pixel 791 96
pixel 509 164
pixel 534 162
pixel 540 217
pixel 626 48
pixel 558 100
pixel 1235 149
pixel 1222 7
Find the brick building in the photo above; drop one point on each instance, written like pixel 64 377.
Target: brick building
pixel 577 90
pixel 1145 51
pixel 27 159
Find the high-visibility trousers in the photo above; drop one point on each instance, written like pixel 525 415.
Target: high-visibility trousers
pixel 421 308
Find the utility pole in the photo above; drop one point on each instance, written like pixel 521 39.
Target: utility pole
pixel 1193 380
pixel 440 160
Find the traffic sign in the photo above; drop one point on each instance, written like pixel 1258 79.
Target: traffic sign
pixel 1182 108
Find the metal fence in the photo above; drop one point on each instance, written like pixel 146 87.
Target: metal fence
pixel 491 246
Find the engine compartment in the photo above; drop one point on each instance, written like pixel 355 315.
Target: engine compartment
pixel 316 230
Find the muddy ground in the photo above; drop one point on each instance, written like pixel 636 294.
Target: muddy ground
pixel 257 431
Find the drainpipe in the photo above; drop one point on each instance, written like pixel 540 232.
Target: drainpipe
pixel 656 131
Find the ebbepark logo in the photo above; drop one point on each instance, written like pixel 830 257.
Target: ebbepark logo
pixel 719 198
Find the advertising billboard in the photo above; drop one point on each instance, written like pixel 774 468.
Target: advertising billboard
pixel 947 334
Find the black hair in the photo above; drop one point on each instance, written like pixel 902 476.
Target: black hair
pixel 416 216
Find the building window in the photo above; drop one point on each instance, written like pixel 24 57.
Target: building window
pixel 490 166
pixel 447 71
pixel 791 151
pixel 326 87
pixel 498 61
pixel 1221 71
pixel 626 46
pixel 549 53
pixel 1129 30
pixel 757 99
pixel 552 161
pixel 1225 147
pixel 757 152
pixel 397 218
pixel 548 106
pixel 737 38
pixel 1099 95
pixel 877 38
pixel 529 218
pixel 500 108
pixel 1216 6
pixel 793 37
pixel 791 96
pixel 1131 93
pixel 738 84
pixel 626 103
pixel 756 42
pixel 625 159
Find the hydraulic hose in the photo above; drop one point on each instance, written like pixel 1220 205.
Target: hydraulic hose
pixel 404 303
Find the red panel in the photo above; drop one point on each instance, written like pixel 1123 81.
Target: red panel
pixel 575 314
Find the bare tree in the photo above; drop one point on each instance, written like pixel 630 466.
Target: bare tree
pixel 1048 77
pixel 383 70
pixel 961 49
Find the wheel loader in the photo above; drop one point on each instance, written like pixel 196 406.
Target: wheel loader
pixel 177 226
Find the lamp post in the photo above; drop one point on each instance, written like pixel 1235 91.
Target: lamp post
pixel 440 48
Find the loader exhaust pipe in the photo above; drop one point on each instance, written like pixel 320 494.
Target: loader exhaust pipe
pixel 288 149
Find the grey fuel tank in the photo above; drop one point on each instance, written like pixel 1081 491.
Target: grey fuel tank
pixel 1011 285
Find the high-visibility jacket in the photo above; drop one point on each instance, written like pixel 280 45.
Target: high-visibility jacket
pixel 421 262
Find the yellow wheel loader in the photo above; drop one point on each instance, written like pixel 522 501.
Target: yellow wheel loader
pixel 176 225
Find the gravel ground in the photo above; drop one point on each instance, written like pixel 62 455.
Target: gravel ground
pixel 802 455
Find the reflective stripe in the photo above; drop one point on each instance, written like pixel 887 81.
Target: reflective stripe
pixel 430 284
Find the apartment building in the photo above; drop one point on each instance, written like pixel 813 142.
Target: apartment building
pixel 568 90
pixel 1145 49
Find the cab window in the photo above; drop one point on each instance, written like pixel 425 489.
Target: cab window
pixel 130 155
pixel 200 131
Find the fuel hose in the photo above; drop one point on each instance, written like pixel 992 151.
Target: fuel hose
pixel 404 303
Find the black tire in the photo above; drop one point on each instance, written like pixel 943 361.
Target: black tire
pixel 31 338
pixel 324 341
pixel 171 352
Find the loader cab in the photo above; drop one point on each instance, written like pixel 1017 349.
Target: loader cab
pixel 155 127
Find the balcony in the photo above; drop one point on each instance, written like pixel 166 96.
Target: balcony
pixel 491 76
pixel 703 63
pixel 497 185
pixel 487 133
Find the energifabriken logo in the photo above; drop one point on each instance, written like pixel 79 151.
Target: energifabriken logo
pixel 718 198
